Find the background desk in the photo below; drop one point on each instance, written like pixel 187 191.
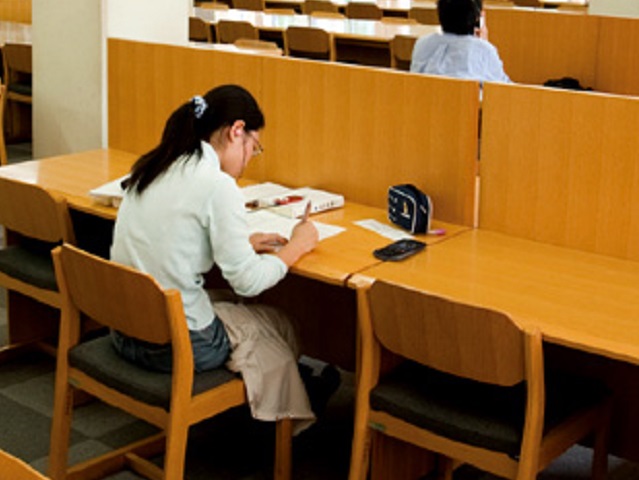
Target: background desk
pixel 584 301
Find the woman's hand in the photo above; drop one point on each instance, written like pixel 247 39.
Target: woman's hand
pixel 267 242
pixel 304 237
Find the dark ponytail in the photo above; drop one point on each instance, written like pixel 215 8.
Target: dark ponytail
pixel 194 122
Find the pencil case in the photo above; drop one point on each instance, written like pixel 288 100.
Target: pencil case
pixel 409 208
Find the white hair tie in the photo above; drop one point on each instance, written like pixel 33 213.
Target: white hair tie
pixel 199 106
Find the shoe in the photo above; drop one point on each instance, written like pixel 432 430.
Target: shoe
pixel 320 387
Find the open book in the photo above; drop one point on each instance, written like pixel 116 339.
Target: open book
pixel 289 202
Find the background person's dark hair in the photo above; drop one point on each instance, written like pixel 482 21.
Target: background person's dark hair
pixel 184 132
pixel 460 17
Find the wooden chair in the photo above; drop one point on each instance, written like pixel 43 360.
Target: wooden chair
pixel 133 303
pixel 15 469
pixel 280 11
pixel 200 30
pixel 471 387
pixel 323 14
pixel 363 10
pixel 423 15
pixel 308 42
pixel 401 47
pixel 18 70
pixel 3 145
pixel 255 5
pixel 310 6
pixel 35 221
pixel 228 31
pixel 261 46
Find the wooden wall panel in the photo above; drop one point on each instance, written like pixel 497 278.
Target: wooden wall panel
pixel 348 129
pixel 538 45
pixel 618 49
pixel 561 167
pixel 149 81
pixel 15 11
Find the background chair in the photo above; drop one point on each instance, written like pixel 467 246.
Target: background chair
pixel 133 303
pixel 3 145
pixel 200 30
pixel 15 469
pixel 35 220
pixel 308 42
pixel 228 31
pixel 280 11
pixel 256 5
pixel 260 46
pixel 423 15
pixel 18 70
pixel 471 387
pixel 401 47
pixel 310 6
pixel 363 10
pixel 325 14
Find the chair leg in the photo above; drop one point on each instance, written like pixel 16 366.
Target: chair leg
pixel 60 429
pixel 177 434
pixel 360 452
pixel 283 449
pixel 600 447
pixel 445 467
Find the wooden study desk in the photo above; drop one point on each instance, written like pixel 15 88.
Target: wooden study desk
pixel 585 303
pixel 370 30
pixel 14 32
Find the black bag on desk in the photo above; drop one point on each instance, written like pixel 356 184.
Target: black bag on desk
pixel 409 208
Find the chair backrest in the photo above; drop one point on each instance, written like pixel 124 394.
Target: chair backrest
pixel 3 145
pixel 310 6
pixel 262 46
pixel 363 10
pixel 308 42
pixel 401 47
pixel 228 31
pixel 424 15
pixel 117 296
pixel 15 469
pixel 214 5
pixel 32 211
pixel 199 30
pixel 455 338
pixel 17 63
pixel 256 5
pixel 280 11
pixel 527 3
pixel 326 14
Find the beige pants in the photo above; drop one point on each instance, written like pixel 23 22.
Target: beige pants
pixel 265 351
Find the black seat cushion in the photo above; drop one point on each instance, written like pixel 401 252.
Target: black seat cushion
pixel 31 265
pixel 98 359
pixel 475 413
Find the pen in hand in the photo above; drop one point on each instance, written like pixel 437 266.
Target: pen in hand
pixel 307 212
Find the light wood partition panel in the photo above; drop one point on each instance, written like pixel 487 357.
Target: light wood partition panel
pixel 561 167
pixel 537 45
pixel 15 11
pixel 348 129
pixel 618 48
pixel 360 130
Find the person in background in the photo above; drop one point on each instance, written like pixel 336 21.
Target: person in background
pixel 462 50
pixel 183 212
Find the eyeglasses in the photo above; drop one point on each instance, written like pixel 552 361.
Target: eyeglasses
pixel 258 149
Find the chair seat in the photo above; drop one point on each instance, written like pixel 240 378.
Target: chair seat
pixel 32 266
pixel 98 359
pixel 478 414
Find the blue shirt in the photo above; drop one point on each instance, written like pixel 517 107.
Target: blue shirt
pixel 459 56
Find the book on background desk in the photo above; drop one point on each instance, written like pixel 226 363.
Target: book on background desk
pixel 289 202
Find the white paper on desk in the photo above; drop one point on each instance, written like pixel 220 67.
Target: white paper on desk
pixel 269 222
pixel 383 229
pixel 109 194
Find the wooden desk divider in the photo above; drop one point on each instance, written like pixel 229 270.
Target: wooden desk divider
pixel 348 129
pixel 561 167
pixel 536 46
pixel 618 47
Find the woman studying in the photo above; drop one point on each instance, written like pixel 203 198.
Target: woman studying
pixel 182 213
